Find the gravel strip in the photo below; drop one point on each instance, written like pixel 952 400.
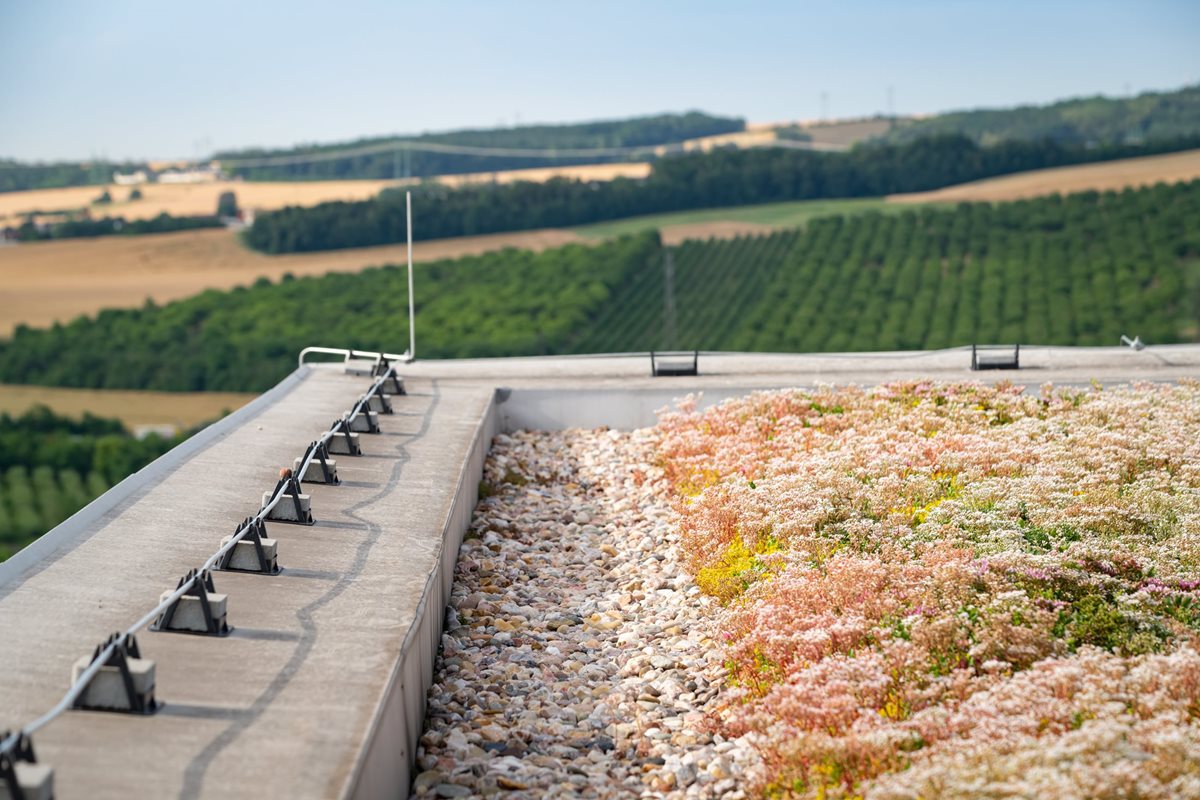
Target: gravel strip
pixel 577 657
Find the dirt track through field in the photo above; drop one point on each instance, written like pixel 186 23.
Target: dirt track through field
pixel 46 282
pixel 1110 175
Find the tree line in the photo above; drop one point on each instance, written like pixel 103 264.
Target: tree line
pixel 661 129
pixel 1083 121
pixel 28 231
pixel 723 177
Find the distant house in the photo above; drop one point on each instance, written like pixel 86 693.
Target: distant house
pixel 130 179
pixel 206 174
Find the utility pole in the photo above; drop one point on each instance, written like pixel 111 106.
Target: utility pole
pixel 669 299
pixel 412 331
pixel 824 106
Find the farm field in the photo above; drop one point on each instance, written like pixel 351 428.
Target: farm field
pixel 1081 270
pixel 950 590
pixel 201 198
pixel 1105 176
pixel 132 408
pixel 728 222
pixel 48 282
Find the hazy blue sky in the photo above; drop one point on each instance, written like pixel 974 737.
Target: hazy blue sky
pixel 174 78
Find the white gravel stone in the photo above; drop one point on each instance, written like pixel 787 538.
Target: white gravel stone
pixel 582 663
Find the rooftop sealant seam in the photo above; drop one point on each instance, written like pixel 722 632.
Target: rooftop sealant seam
pixel 196 771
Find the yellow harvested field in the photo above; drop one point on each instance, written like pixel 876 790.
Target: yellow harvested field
pixel 180 409
pixel 1115 175
pixel 183 199
pixel 47 282
pixel 196 199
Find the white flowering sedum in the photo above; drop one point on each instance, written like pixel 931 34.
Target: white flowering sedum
pixel 952 590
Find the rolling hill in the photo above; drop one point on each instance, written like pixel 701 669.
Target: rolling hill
pixel 1080 270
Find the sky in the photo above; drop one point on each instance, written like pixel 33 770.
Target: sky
pixel 129 79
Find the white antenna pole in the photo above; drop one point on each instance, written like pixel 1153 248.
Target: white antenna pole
pixel 412 332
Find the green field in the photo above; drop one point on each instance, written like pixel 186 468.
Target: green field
pixel 777 215
pixel 1080 270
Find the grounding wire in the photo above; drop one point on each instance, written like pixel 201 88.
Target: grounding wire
pixel 103 655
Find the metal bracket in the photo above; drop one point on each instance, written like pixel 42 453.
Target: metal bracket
pixel 365 413
pixel 119 658
pixel 202 586
pixel 266 564
pixel 995 356
pixel 321 454
pixel 342 426
pixel 291 489
pixel 674 363
pixel 23 751
pixel 382 368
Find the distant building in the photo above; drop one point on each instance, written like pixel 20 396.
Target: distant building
pixel 132 179
pixel 206 174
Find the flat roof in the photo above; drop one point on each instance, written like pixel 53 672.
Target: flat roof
pixel 286 705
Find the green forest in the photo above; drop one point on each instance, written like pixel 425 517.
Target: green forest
pixel 51 466
pixel 1079 270
pixel 723 177
pixel 391 160
pixel 1080 121
pixel 16 176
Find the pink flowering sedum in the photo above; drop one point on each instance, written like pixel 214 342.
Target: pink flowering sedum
pixel 953 590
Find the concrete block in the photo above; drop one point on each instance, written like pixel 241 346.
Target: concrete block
pixel 338 445
pixel 314 474
pixel 394 385
pixel 36 782
pixel 189 615
pixel 246 558
pixel 365 422
pixel 380 403
pixel 285 509
pixel 107 689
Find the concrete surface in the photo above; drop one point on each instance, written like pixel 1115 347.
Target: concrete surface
pixel 285 705
pixel 319 691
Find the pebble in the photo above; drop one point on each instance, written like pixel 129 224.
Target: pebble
pixel 578 657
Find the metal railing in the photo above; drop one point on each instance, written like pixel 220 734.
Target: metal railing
pixel 9 743
pixel 350 355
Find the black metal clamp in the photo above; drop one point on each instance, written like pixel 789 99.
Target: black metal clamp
pixel 995 356
pixel 381 368
pixel 364 411
pixel 202 586
pixel 291 488
pixel 254 536
pixel 125 649
pixel 674 363
pixel 342 428
pixel 21 752
pixel 320 453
